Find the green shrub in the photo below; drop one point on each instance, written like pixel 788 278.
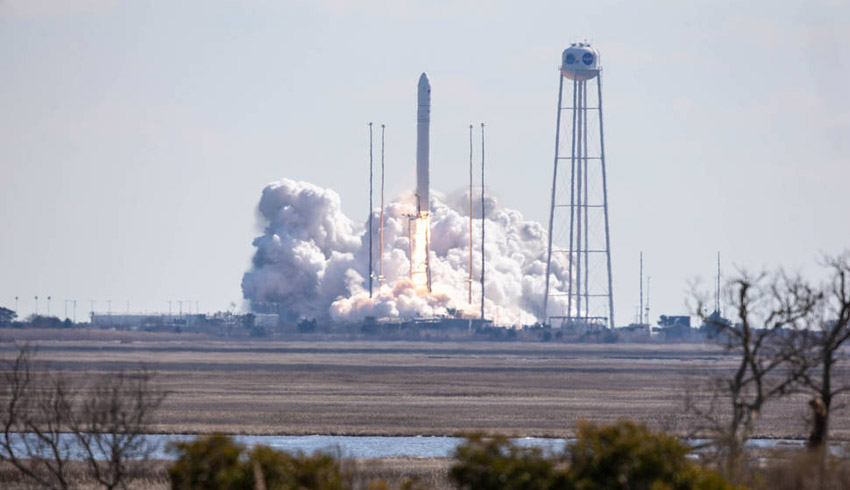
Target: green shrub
pixel 208 462
pixel 282 471
pixel 485 463
pixel 218 463
pixel 628 455
pixel 619 456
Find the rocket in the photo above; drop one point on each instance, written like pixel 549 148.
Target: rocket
pixel 423 137
pixel 420 223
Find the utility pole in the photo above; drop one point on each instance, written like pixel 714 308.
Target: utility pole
pixel 717 287
pixel 640 310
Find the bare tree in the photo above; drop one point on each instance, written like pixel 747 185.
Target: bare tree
pixel 767 361
pixel 34 413
pixel 825 339
pixel 49 421
pixel 110 425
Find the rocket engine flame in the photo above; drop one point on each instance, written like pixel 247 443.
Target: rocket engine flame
pixel 420 237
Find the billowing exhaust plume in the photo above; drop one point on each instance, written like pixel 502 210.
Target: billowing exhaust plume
pixel 312 260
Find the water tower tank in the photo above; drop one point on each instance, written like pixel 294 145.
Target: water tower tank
pixel 580 62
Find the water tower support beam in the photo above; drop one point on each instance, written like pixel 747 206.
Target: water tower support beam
pixel 545 318
pixel 605 202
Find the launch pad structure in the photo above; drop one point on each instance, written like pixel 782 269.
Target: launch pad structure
pixel 583 194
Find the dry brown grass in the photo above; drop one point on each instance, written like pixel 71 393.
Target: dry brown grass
pixel 144 475
pixel 412 388
pixel 428 473
pixel 80 334
pixel 152 475
pixel 797 470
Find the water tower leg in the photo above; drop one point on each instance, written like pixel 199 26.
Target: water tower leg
pixel 544 317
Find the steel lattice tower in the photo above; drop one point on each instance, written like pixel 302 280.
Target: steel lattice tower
pixel 579 208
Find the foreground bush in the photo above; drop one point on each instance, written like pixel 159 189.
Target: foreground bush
pixel 218 463
pixel 495 462
pixel 620 456
pixel 207 462
pixel 628 455
pixel 283 471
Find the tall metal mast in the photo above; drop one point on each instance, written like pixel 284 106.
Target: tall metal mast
pixel 717 287
pixel 640 310
pixel 381 259
pixel 370 210
pixel 483 217
pixel 469 279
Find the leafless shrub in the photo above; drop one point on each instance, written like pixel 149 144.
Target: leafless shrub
pixel 824 341
pixel 769 362
pixel 48 421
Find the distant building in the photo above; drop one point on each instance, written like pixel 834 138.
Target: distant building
pixel 634 331
pixel 145 321
pixel 713 325
pixel 577 326
pixel 675 328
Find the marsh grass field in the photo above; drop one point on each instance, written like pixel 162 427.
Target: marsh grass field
pixel 359 473
pixel 407 388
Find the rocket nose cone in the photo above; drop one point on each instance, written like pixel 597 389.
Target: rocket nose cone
pixel 423 81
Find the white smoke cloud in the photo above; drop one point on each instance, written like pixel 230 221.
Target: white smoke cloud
pixel 312 260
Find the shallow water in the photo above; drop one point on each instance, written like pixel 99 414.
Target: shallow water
pixel 382 446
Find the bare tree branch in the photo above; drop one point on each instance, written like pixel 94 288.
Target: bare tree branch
pixel 112 423
pixel 825 337
pixel 48 421
pixel 768 364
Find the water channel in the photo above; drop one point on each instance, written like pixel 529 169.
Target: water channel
pixel 381 446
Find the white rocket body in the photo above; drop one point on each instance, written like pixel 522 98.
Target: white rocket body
pixel 423 142
pixel 420 223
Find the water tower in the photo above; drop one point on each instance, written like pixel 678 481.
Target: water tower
pixel 578 217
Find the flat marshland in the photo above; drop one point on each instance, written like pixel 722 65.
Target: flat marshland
pixel 410 388
pixel 359 473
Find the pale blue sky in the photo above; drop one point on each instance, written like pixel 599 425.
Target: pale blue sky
pixel 136 136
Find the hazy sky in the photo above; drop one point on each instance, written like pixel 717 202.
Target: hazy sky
pixel 136 136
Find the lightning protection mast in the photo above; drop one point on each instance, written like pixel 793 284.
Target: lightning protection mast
pixel 578 290
pixel 469 279
pixel 381 267
pixel 371 213
pixel 483 218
